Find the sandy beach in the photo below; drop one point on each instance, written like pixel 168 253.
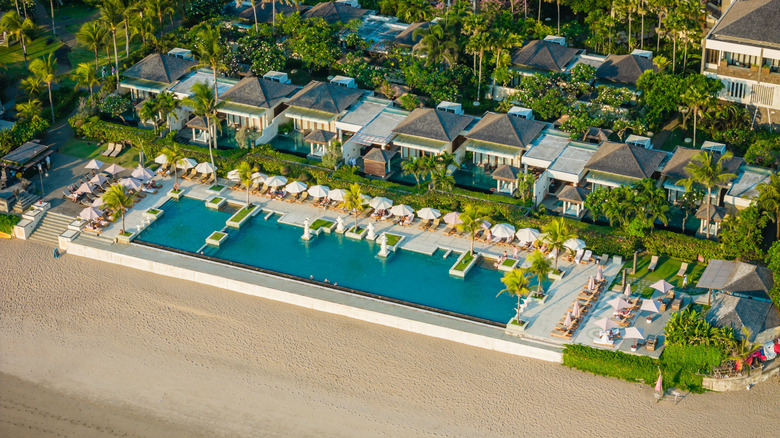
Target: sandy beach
pixel 90 350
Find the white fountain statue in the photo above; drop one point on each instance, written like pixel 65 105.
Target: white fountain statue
pixel 371 232
pixel 383 243
pixel 339 225
pixel 306 230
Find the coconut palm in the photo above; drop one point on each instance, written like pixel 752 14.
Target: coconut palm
pixel 245 171
pixel 117 199
pixel 211 52
pixel 53 26
pixel 707 172
pixel 556 235
pixel 12 23
pixel 541 266
pixel 173 154
pixel 441 178
pixel 46 70
pixel 696 99
pixel 128 8
pixel 472 221
pixel 477 46
pixel 143 26
pixel 29 111
pixel 85 76
pixel 158 8
pixel 516 283
pixel 204 104
pixel 167 105
pixel 769 200
pixel 149 113
pixel 413 11
pixel 273 10
pixel 353 202
pixel 437 44
pixel 32 85
pixel 415 167
pixel 93 34
pixel 112 14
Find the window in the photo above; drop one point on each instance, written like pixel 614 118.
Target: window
pixel 736 90
pixel 713 56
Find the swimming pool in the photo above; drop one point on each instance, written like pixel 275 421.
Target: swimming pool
pixel 267 244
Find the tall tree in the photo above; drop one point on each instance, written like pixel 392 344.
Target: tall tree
pixel 93 34
pixel 415 167
pixel 441 179
pixel 32 86
pixel 708 172
pixel 353 202
pixel 769 200
pixel 159 8
pixel 437 44
pixel 541 266
pixel 273 10
pixel 46 70
pixel 472 220
pixel 20 29
pixel 516 284
pixel 117 199
pixel 245 171
pixel 112 14
pixel 204 104
pixel 211 53
pixel 557 232
pixel 85 76
pixel 699 94
pixel 173 155
pixel 29 111
pixel 477 46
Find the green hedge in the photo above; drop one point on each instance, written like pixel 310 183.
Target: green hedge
pixel 687 364
pixel 21 132
pixel 7 222
pixel 612 363
pixel 681 247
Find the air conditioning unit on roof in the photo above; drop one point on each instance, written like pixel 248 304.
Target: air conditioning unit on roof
pixel 450 107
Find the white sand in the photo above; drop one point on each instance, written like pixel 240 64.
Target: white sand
pixel 91 349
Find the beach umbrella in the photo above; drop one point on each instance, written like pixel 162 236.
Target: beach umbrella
pixel 567 321
pixel 337 194
pixel 114 169
pixel 142 173
pixel 485 224
pixel 84 188
pixel 234 175
pixel 606 324
pixel 574 244
pixel 99 179
pixel 365 199
pixel 90 213
pixel 130 183
pixel 258 177
pixel 98 202
pixel 503 231
pixel 591 283
pixel 186 163
pixel 94 164
pixel 662 286
pixel 650 306
pixel 319 191
pixel 600 273
pixel 204 167
pixel 627 292
pixel 659 386
pixel 380 203
pixel 161 159
pixel 452 218
pixel 276 181
pixel 575 309
pixel 428 213
pixel 528 234
pixel 618 303
pixel 633 333
pixel 401 210
pixel 295 187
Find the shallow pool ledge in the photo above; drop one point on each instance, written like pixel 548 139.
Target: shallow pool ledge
pixel 314 297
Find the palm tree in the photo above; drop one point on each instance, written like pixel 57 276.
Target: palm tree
pixel 211 52
pixel 769 199
pixel 85 76
pixel 705 171
pixel 142 25
pixel 696 99
pixel 413 11
pixel 173 155
pixel 167 105
pixel 541 266
pixel 415 167
pixel 149 113
pixel 112 14
pixel 53 27
pixel 46 70
pixel 441 178
pixel 128 9
pixel 117 199
pixel 477 46
pixel 93 35
pixel 245 171
pixel 204 104
pixel 32 85
pixel 20 29
pixel 516 283
pixel 29 111
pixel 353 202
pixel 159 8
pixel 472 222
pixel 437 44
pixel 557 233
pixel 273 10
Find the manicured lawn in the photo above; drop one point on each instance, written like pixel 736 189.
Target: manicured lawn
pixel 464 262
pixel 13 57
pixel 216 235
pixel 678 136
pixel 358 232
pixel 667 269
pixel 73 12
pixel 392 239
pixel 508 262
pixel 215 201
pixel 243 213
pixel 89 150
pixel 319 223
pixel 153 211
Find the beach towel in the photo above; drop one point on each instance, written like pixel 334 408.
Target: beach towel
pixel 769 350
pixel 777 348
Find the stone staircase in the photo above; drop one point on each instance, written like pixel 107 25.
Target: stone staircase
pixel 24 200
pixel 50 228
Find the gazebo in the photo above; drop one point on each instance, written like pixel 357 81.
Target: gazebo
pixel 377 161
pixel 200 130
pixel 318 141
pixel 24 158
pixel 717 214
pixel 573 198
pixel 506 178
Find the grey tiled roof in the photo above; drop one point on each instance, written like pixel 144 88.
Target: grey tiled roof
pixel 379 155
pixel 625 160
pixel 324 96
pixel 319 136
pixel 433 124
pixel 406 37
pixel 333 12
pixel 675 168
pixel 598 134
pixel 506 172
pixel 258 92
pixel 507 130
pixel 752 21
pixel 160 68
pixel 573 194
pixel 735 313
pixel 738 278
pixel 717 213
pixel 544 55
pixel 624 68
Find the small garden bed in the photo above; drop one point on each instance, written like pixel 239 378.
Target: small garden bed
pixel 175 193
pixel 508 265
pixel 355 233
pixel 393 239
pixel 216 202
pixel 216 238
pixel 465 262
pixel 153 213
pixel 516 327
pixel 216 188
pixel 241 216
pixel 321 223
pixel 125 237
pixel 7 222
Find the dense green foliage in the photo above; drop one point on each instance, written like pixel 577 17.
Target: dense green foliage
pixel 612 363
pixel 7 222
pixel 21 132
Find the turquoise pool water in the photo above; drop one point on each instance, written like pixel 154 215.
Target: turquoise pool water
pixel 406 275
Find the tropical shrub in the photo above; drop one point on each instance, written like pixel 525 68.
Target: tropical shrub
pixel 680 246
pixel 612 363
pixel 688 327
pixel 7 222
pixel 21 133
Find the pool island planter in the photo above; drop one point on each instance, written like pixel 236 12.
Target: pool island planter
pixel 557 275
pixel 508 265
pixel 461 267
pixel 541 299
pixel 153 213
pixel 176 194
pixel 126 237
pixel 242 215
pixel 516 327
pixel 355 235
pixel 216 202
pixel 321 225
pixel 216 238
pixel 217 189
pixel 394 240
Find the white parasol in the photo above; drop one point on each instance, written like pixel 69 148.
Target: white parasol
pixel 142 173
pixel 186 163
pixel 94 164
pixel 401 210
pixel 606 324
pixel 337 194
pixel 662 286
pixel 319 191
pixel 84 188
pixel 528 235
pixel 130 183
pixel 503 231
pixel 161 159
pixel 428 213
pixel 90 213
pixel 633 333
pixel 99 179
pixel 114 169
pixel 618 303
pixel 380 203
pixel 204 167
pixel 295 187
pixel 276 181
pixel 574 244
pixel 452 218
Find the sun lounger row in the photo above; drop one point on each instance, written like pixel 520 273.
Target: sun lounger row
pixel 113 149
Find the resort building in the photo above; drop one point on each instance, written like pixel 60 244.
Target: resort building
pixel 336 12
pixel 616 164
pixel 380 32
pixel 193 128
pixel 254 103
pixel 626 69
pixel 502 138
pixel 430 132
pixel 406 38
pixel 153 75
pixel 743 51
pixel 372 140
pixel 543 56
pixel 744 188
pixel 319 104
pixel 738 279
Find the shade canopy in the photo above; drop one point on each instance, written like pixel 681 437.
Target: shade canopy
pixel 567 321
pixel 114 169
pixel 627 291
pixel 503 231
pixel 634 333
pixel 574 244
pixel 600 273
pixel 186 163
pixel 161 159
pixel 295 187
pixel 276 181
pixel 575 309
pixel 606 324
pixel 130 183
pixel 234 175
pixel 618 303
pixel 380 203
pixel 452 218
pixel 319 191
pixel 94 164
pixel 90 213
pixel 99 179
pixel 591 283
pixel 204 167
pixel 485 224
pixel 142 173
pixel 98 202
pixel 402 210
pixel 428 213
pixel 258 177
pixel 650 306
pixel 365 199
pixel 528 234
pixel 662 286
pixel 337 194
pixel 84 188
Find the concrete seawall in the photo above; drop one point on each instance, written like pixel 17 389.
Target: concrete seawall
pixel 313 297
